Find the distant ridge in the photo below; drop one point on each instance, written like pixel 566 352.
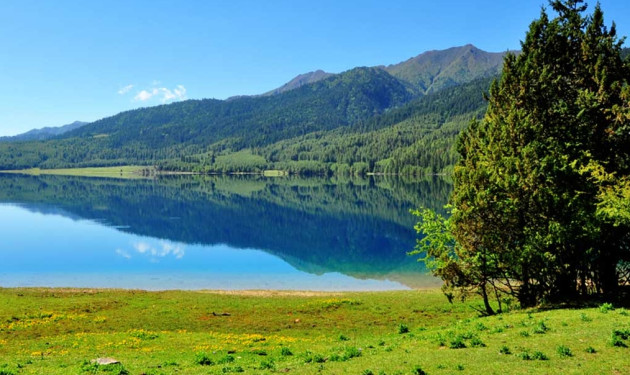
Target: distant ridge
pixel 428 72
pixel 435 70
pixel 44 133
pixel 300 80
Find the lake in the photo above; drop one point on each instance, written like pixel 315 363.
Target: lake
pixel 213 232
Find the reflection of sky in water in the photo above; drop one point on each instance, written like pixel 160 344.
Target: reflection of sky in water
pixel 53 250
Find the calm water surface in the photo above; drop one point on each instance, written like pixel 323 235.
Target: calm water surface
pixel 212 232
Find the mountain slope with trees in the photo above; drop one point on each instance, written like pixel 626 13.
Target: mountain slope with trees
pixel 362 120
pixel 44 133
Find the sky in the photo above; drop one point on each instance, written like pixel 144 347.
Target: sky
pixel 64 60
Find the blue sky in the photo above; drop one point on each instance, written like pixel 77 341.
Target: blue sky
pixel 64 60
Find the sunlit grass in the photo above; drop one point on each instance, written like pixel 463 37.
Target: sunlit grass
pixel 58 331
pixel 127 171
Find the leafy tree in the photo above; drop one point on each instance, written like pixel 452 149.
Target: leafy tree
pixel 535 208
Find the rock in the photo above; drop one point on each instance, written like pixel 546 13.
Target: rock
pixel 105 361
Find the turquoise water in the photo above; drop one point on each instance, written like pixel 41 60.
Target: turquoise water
pixel 212 232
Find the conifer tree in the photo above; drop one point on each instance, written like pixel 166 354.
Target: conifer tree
pixel 527 203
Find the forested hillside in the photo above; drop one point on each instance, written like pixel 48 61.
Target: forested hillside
pixel 44 133
pixel 363 120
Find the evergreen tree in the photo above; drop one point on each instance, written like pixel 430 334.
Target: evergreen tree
pixel 525 201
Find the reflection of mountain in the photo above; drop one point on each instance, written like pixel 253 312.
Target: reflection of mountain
pixel 357 227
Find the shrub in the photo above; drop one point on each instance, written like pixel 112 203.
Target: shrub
pixel 367 372
pixel 318 358
pixel 286 351
pixel 524 333
pixel 564 351
pixel 541 328
pixel 540 356
pixel 525 356
pixel 418 371
pixel 591 350
pixel 475 342
pixel 203 359
pixel 459 367
pixel 351 352
pixel 343 338
pixel 606 307
pixel 227 359
pixel 267 365
pixel 402 328
pixel 226 370
pixel 505 350
pixel 481 327
pixel 585 318
pixel 457 343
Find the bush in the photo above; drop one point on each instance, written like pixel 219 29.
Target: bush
pixel 286 351
pixel 402 328
pixel 475 342
pixel 203 359
pixel 343 338
pixel 564 351
pixel 351 352
pixel 227 359
pixel 618 338
pixel 267 365
pixel 525 356
pixel 418 371
pixel 540 356
pixel 541 328
pixel 505 350
pixel 591 350
pixel 457 343
pixel 606 307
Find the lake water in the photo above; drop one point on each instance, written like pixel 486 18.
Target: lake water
pixel 213 232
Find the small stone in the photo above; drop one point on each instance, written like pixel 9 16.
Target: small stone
pixel 105 361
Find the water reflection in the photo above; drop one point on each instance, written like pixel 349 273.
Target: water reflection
pixel 345 227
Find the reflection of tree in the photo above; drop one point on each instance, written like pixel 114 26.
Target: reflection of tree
pixel 353 226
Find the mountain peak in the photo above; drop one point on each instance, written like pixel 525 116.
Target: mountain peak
pixel 300 80
pixel 437 69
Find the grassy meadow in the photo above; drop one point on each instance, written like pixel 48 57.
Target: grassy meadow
pixel 59 331
pixel 126 171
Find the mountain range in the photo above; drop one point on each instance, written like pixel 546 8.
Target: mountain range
pixel 44 133
pixel 400 118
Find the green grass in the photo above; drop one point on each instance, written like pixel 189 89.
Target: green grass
pixel 59 331
pixel 127 171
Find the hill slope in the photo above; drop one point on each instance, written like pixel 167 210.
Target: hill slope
pixel 44 133
pixel 352 122
pixel 299 81
pixel 435 70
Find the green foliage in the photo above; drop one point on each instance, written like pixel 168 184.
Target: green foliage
pixel 564 351
pixel 403 328
pixel 529 219
pixel 417 370
pixel 505 350
pixel 606 307
pixel 304 131
pixel 539 356
pixel 203 359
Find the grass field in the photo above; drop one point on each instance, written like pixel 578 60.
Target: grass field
pixel 127 171
pixel 58 331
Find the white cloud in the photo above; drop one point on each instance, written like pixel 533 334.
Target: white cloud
pixel 163 249
pixel 123 253
pixel 125 90
pixel 162 93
